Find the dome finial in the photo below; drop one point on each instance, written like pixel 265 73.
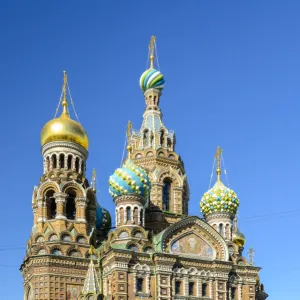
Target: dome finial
pixel 64 92
pixel 218 158
pixel 151 51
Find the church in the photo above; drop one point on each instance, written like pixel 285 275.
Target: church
pixel 155 250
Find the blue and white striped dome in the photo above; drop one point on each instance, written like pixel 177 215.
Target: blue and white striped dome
pixel 152 78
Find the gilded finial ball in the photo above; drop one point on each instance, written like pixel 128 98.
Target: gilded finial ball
pixel 239 238
pixel 152 78
pixel 128 148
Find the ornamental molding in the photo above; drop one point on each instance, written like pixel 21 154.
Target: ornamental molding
pixel 219 215
pixel 70 145
pixel 130 198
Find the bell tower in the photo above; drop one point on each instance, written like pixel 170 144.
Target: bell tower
pixel 64 209
pixel 153 148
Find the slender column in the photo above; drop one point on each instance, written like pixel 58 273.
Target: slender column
pixel 40 210
pixel 210 288
pixel 132 214
pixel 139 216
pixel 80 165
pixel 239 290
pixel 80 209
pixel 73 163
pixel 60 200
pixel 66 162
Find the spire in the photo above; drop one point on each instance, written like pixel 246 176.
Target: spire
pixel 218 158
pixel 151 51
pixel 64 92
pixel 91 283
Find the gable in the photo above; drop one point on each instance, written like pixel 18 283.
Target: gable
pixel 194 237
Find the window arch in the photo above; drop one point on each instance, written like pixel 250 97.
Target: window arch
pixel 166 194
pixel 70 205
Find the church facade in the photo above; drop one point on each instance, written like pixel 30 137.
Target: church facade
pixel 156 250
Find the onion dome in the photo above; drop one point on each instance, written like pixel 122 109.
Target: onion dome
pixel 103 218
pixel 64 128
pixel 130 179
pixel 219 198
pixel 152 78
pixel 239 238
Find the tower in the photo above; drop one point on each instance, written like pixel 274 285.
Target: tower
pixel 67 217
pixel 153 148
pixel 219 205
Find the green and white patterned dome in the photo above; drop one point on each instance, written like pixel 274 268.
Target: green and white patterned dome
pixel 219 199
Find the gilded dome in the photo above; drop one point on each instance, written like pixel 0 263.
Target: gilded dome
pixel 64 128
pixel 130 179
pixel 239 238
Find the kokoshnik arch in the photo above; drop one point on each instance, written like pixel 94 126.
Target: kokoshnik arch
pixel 156 250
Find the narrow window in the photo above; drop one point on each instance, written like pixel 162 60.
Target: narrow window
pixel 221 229
pixel 77 164
pixel 69 162
pixel 146 138
pixel 61 161
pixel 204 289
pixel 128 214
pixel 191 288
pixel 70 206
pixel 177 287
pixel 51 204
pixel 166 195
pixel 162 138
pixel 82 168
pixel 54 162
pixel 141 217
pixel 139 284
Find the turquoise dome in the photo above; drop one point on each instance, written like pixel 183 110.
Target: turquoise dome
pixel 152 78
pixel 103 218
pixel 130 179
pixel 219 199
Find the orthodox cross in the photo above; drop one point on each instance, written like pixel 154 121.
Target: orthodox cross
pixel 129 127
pixel 64 88
pixel 151 51
pixel 251 255
pixel 218 158
pixel 94 175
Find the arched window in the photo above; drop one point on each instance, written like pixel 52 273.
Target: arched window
pixel 70 206
pixel 51 204
pixel 70 162
pixel 166 195
pixel 128 214
pixel 54 161
pixel 146 138
pixel 61 161
pixel 221 229
pixel 77 164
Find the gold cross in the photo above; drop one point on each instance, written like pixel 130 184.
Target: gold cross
pixel 251 255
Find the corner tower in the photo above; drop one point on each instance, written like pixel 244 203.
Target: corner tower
pixel 153 148
pixel 67 217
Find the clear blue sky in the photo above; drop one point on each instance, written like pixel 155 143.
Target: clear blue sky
pixel 232 71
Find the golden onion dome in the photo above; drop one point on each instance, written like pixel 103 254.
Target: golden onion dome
pixel 64 128
pixel 239 238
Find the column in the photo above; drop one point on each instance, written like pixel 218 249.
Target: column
pixel 139 216
pixel 60 200
pixel 80 209
pixel 211 288
pixel 239 290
